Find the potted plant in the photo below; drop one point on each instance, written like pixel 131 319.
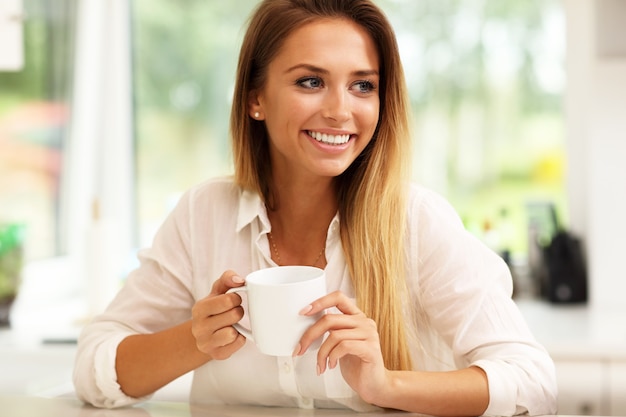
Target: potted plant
pixel 11 262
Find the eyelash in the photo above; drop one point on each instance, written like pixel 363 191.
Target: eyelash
pixel 367 84
pixel 301 82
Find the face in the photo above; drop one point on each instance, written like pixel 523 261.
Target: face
pixel 320 102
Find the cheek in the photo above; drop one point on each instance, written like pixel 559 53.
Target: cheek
pixel 369 116
pixel 300 106
pixel 297 112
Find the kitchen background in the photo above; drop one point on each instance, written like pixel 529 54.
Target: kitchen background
pixel 109 109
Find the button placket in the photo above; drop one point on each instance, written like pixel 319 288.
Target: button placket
pixel 288 382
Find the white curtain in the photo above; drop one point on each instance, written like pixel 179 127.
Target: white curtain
pixel 11 35
pixel 99 182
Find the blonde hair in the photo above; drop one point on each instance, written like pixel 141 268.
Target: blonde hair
pixel 371 192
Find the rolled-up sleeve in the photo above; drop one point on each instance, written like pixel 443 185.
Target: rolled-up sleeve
pixel 155 296
pixel 465 291
pixel 95 379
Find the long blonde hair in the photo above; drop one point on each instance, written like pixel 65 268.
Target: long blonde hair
pixel 371 192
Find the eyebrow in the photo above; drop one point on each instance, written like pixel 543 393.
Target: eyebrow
pixel 313 68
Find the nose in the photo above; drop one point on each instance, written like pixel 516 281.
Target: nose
pixel 336 105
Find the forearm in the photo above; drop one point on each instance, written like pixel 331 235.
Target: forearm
pixel 454 393
pixel 147 362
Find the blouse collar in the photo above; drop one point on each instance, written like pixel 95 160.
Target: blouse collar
pixel 251 206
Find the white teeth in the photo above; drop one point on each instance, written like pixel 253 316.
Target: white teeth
pixel 329 139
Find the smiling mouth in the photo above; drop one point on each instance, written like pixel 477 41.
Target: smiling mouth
pixel 329 139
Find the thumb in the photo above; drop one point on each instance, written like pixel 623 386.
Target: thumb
pixel 229 279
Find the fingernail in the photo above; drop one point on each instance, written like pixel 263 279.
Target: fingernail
pixel 296 351
pixel 306 310
pixel 237 279
pixel 319 370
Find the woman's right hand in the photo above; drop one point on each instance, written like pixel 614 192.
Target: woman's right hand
pixel 213 318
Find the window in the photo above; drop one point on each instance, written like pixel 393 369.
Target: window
pixel 185 58
pixel 486 80
pixel 34 115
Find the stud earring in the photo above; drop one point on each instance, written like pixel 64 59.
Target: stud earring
pixel 257 114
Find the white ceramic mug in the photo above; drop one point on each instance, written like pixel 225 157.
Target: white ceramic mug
pixel 275 297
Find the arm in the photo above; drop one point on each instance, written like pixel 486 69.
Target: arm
pixel 464 291
pixel 116 366
pixel 353 342
pixel 137 355
pixel 146 337
pixel 209 335
pixel 454 393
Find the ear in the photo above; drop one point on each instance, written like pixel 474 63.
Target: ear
pixel 255 109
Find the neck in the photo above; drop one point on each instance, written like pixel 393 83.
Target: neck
pixel 303 205
pixel 300 223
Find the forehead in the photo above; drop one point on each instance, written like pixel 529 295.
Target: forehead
pixel 330 38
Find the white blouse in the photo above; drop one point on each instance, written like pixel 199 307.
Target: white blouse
pixel 460 288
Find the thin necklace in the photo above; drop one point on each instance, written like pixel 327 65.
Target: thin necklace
pixel 277 255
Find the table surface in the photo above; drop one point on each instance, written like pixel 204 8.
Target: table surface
pixel 23 406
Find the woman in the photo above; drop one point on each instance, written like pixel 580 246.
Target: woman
pixel 423 317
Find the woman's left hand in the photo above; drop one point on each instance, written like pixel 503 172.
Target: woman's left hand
pixel 352 341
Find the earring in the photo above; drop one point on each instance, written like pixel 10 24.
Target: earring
pixel 257 114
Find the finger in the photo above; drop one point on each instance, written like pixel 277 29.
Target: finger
pixel 224 337
pixel 217 329
pixel 225 319
pixel 214 313
pixel 337 345
pixel 327 323
pixel 228 280
pixel 223 344
pixel 335 299
pixel 227 351
pixel 213 305
pixel 354 348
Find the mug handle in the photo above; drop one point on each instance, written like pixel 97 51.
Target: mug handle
pixel 246 332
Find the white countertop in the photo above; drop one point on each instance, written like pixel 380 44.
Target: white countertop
pixel 69 407
pixel 577 331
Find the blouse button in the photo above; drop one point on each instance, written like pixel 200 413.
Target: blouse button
pixel 286 368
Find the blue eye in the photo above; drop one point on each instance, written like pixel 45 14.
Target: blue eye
pixel 310 82
pixel 365 86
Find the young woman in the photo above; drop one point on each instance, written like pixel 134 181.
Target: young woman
pixel 423 318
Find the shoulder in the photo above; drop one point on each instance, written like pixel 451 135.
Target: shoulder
pixel 220 187
pixel 221 192
pixel 210 198
pixel 440 246
pixel 427 206
pixel 435 228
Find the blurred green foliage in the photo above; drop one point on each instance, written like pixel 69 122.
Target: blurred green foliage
pixel 491 72
pixel 11 259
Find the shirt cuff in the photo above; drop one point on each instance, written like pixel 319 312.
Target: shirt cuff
pixel 502 390
pixel 106 375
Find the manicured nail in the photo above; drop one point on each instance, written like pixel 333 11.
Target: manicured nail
pixel 306 310
pixel 296 351
pixel 319 370
pixel 237 279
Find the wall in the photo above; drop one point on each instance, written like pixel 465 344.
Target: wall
pixel 596 122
